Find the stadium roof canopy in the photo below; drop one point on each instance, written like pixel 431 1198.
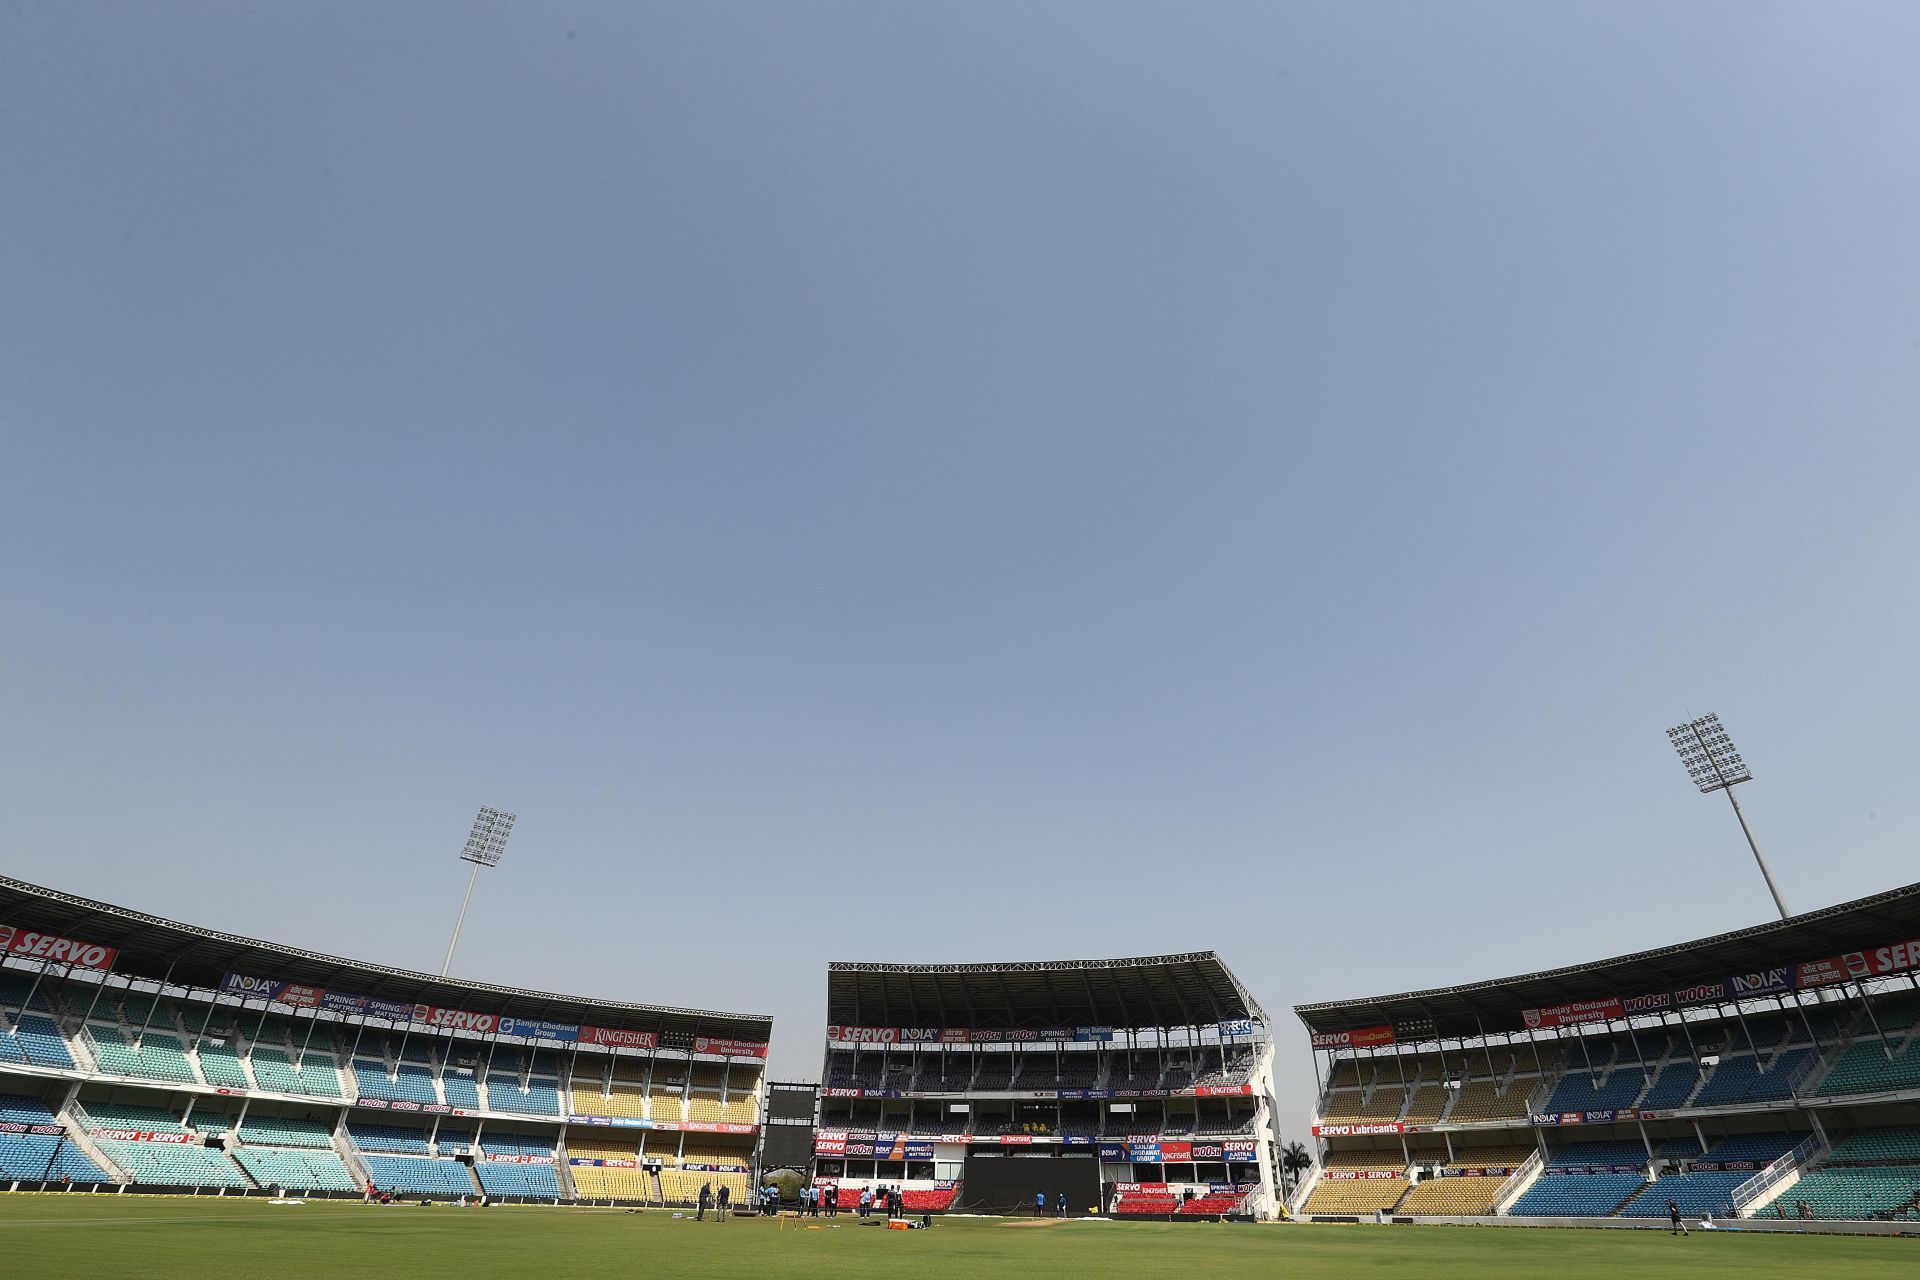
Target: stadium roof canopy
pixel 1145 991
pixel 1495 1006
pixel 188 956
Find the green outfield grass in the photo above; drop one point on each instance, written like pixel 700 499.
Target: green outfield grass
pixel 212 1239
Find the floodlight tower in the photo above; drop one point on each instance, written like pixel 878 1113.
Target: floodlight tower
pixel 1714 765
pixel 485 843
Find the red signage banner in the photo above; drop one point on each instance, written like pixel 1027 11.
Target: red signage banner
pixel 1222 1090
pixel 455 1019
pixel 620 1038
pixel 729 1048
pixel 58 950
pixel 1820 973
pixel 1575 1014
pixel 1358 1038
pixel 1176 1152
pixel 1895 958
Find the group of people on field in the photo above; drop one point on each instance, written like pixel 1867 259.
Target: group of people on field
pixel 708 1201
pixel 826 1197
pixel 1040 1204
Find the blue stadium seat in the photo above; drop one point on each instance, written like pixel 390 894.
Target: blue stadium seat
pixel 1695 1193
pixel 1594 1195
pixel 507 1179
pixel 388 1137
pixel 1577 1092
pixel 419 1175
pixel 1739 1079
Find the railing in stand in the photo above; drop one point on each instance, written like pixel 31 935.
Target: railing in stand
pixel 1755 1188
pixel 1517 1183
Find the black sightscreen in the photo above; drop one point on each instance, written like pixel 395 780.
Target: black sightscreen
pixel 1006 1184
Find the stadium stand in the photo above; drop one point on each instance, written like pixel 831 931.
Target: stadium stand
pixel 1339 1197
pixel 1741 1079
pixel 461 1090
pixel 1761 1039
pixel 536 1098
pixel 1865 1068
pixel 1481 1100
pixel 1582 1196
pixel 36 1158
pixel 498 1178
pixel 419 1175
pixel 269 1131
pixel 399 1139
pixel 1858 1194
pixel 314 1074
pixel 132 1117
pixel 1578 1090
pixel 406 1082
pixel 172 1164
pixel 682 1186
pixel 620 1098
pixel 1694 1193
pixel 158 1057
pixel 34 1040
pixel 1673 1086
pixel 1427 1103
pixel 1050 1093
pixel 1466 1197
pixel 609 1182
pixel 221 1066
pixel 304 1171
pixel 207 1121
pixel 213 1031
pixel 1758 1148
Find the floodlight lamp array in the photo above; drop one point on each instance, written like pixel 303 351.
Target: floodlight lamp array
pixel 1708 754
pixel 488 839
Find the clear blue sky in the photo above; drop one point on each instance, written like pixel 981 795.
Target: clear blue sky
pixel 957 482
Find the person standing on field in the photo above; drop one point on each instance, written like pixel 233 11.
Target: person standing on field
pixel 726 1198
pixel 1673 1216
pixel 1039 1204
pixel 706 1198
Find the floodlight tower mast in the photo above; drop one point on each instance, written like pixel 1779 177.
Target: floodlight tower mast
pixel 1714 765
pixel 485 843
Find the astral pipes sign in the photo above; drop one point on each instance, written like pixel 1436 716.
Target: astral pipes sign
pixel 47 946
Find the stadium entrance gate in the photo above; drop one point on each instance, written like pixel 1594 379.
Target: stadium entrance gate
pixel 997 1183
